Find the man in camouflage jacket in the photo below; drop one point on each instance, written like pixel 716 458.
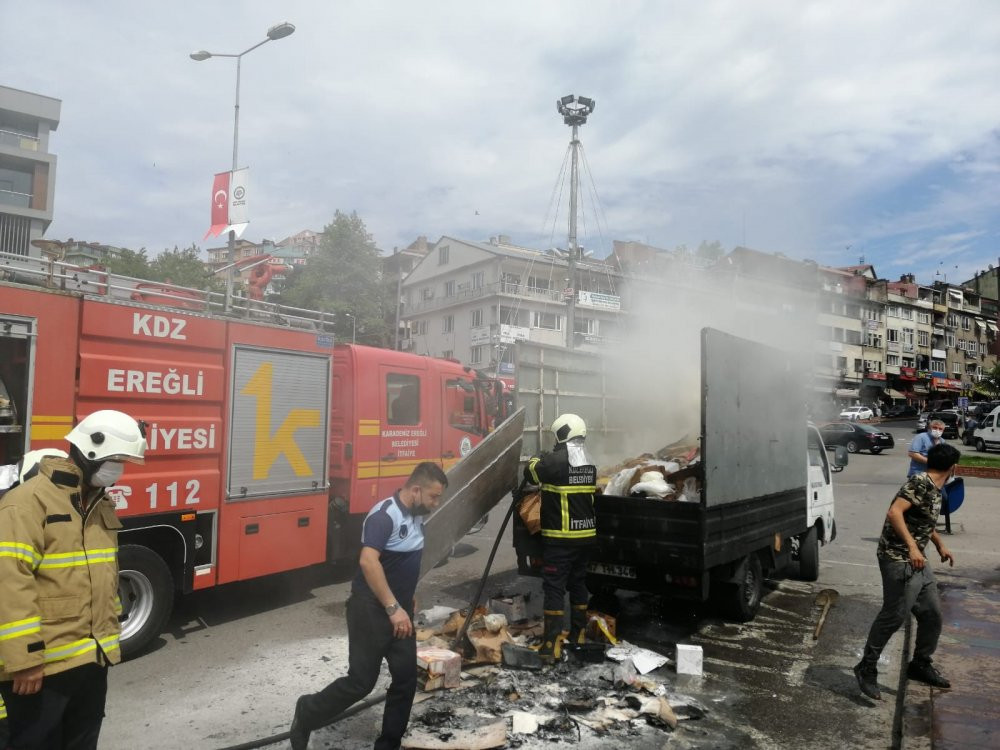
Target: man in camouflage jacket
pixel 907 580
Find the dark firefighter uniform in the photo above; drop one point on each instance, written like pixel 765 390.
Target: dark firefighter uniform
pixel 568 531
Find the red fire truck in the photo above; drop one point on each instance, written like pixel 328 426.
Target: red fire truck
pixel 267 443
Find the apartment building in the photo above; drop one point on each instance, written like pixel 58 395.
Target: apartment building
pixel 471 300
pixel 27 168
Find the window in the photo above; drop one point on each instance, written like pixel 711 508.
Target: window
pixel 448 324
pixel 477 280
pixel 892 360
pixel 949 338
pixel 857 365
pixel 952 320
pixel 427 293
pixel 443 253
pixel 585 325
pixel 874 340
pixel 957 369
pixel 817 453
pixel 938 365
pixel 892 311
pixel 906 313
pixel 873 365
pixel 966 323
pixel 537 282
pixel 449 289
pixel 402 395
pixel 983 349
pixel 923 338
pixel 511 316
pixel 892 335
pixel 510 283
pixel 852 337
pixel 476 355
pixel 460 404
pixel 548 321
pixel 476 318
pixel 907 361
pixel 841 363
pixel 419 327
pixel 924 318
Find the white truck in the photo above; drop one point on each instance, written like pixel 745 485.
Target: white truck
pixel 987 435
pixel 766 486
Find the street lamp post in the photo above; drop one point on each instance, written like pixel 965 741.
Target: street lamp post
pixel 354 327
pixel 278 31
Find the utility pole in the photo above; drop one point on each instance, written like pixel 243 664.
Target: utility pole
pixel 575 110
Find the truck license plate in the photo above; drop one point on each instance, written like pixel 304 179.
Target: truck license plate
pixel 609 569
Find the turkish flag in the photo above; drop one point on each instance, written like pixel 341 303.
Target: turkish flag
pixel 220 205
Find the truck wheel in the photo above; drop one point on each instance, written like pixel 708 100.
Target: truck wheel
pixel 980 445
pixel 876 450
pixel 146 590
pixel 740 601
pixel 852 446
pixel 809 555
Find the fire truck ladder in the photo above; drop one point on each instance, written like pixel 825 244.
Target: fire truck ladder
pixel 95 281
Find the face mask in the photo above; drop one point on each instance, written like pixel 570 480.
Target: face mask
pixel 937 433
pixel 107 474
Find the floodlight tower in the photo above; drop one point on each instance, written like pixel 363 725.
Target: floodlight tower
pixel 575 110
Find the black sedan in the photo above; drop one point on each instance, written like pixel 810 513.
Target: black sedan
pixel 856 437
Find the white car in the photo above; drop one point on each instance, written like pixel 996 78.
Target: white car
pixel 854 413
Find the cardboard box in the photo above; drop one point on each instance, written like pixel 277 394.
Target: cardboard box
pixel 443 668
pixel 689 659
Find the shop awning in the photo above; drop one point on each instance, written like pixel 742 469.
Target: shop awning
pixel 991 325
pixel 956 295
pixel 922 389
pixel 893 393
pixel 847 393
pixel 980 324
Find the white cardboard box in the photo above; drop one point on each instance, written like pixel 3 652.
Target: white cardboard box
pixel 689 659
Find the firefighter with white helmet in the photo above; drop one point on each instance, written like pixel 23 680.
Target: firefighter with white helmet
pixel 567 480
pixel 59 605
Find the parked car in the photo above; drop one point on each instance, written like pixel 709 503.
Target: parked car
pixel 856 437
pixel 857 412
pixel 902 411
pixel 951 421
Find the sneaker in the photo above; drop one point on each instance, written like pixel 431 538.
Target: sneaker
pixel 924 671
pixel 868 681
pixel 298 735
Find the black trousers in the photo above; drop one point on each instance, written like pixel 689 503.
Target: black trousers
pixel 564 568
pixel 66 714
pixel 370 641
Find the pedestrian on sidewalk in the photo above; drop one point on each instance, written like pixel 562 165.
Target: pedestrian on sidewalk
pixel 380 613
pixel 923 443
pixel 908 584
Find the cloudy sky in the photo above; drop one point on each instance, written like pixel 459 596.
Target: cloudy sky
pixel 823 130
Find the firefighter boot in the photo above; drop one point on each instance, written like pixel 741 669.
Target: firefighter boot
pixel 551 650
pixel 578 624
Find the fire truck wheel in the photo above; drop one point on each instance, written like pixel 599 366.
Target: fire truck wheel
pixel 146 590
pixel 809 555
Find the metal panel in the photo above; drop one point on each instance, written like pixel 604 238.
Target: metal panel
pixel 278 439
pixel 552 381
pixel 753 419
pixel 475 484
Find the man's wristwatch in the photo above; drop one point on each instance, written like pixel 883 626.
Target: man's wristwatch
pixel 391 608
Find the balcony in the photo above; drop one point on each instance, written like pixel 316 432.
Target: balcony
pixel 18 140
pixel 13 198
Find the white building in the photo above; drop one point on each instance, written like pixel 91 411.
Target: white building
pixel 470 300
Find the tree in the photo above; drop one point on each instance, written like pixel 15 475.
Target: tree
pixel 183 268
pixel 130 263
pixel 710 251
pixel 989 384
pixel 344 276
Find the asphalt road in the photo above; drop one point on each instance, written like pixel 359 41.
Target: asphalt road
pixel 232 661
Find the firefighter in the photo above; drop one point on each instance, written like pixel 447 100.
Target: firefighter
pixel 567 479
pixel 59 607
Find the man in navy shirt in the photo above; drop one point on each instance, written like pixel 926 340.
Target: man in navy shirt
pixel 380 613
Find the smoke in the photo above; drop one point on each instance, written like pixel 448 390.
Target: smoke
pixel 653 368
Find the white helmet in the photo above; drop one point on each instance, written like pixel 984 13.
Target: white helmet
pixel 568 426
pixel 109 435
pixel 31 459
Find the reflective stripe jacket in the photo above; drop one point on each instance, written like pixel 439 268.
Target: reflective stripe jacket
pixel 567 496
pixel 58 574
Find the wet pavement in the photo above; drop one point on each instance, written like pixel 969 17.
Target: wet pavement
pixel 968 715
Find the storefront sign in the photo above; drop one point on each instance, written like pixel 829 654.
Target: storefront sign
pixel 946 384
pixel 907 373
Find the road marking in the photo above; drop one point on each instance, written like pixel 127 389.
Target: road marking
pixel 844 562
